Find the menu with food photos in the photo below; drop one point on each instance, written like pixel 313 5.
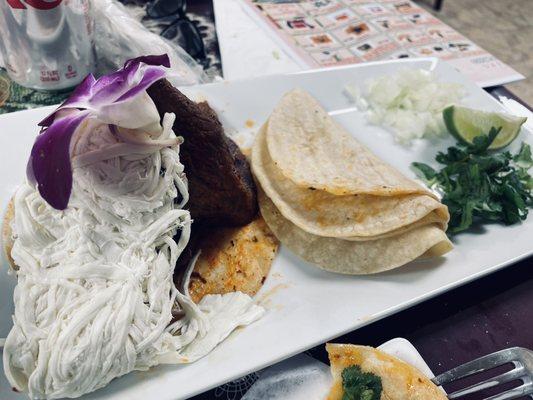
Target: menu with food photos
pixel 323 33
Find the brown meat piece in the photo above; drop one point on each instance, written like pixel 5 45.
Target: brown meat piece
pixel 221 188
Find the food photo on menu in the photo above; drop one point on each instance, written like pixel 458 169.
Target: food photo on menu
pixel 266 199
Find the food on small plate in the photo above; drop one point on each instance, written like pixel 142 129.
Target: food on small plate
pixel 98 226
pixel 480 185
pixel 233 259
pixel 366 373
pixel 333 202
pixel 408 103
pixel 466 123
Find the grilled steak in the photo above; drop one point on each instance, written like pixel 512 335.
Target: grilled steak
pixel 221 188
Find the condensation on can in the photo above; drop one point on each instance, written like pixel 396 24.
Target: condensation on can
pixel 47 44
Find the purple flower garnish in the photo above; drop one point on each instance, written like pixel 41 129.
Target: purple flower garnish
pixel 111 100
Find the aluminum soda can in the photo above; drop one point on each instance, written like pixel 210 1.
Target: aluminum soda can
pixel 47 44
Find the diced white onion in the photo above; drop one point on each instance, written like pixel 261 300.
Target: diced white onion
pixel 409 103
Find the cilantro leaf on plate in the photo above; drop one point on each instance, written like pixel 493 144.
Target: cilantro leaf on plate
pixel 479 185
pixel 359 385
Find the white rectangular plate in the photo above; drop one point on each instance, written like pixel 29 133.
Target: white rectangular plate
pixel 305 305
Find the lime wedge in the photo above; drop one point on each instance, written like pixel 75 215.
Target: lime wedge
pixel 466 123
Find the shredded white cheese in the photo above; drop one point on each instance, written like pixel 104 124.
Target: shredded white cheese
pixel 95 297
pixel 409 103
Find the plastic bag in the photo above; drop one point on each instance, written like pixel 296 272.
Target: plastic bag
pixel 119 37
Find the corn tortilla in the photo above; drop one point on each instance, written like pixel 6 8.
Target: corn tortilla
pixel 352 217
pixel 399 380
pixel 355 257
pixel 333 202
pixel 312 150
pixel 234 259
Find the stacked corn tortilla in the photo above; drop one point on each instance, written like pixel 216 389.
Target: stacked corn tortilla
pixel 333 202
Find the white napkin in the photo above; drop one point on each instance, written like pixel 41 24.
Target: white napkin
pixel 298 378
pixel 246 49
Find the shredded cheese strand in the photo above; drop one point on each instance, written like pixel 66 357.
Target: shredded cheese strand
pixel 95 294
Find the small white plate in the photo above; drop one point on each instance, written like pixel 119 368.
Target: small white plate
pixel 404 350
pixel 302 377
pixel 305 305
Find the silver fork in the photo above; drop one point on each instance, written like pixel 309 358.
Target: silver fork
pixel 523 370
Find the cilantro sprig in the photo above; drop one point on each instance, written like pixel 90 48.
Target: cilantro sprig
pixel 482 186
pixel 359 385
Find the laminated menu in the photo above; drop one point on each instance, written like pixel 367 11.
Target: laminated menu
pixel 323 33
